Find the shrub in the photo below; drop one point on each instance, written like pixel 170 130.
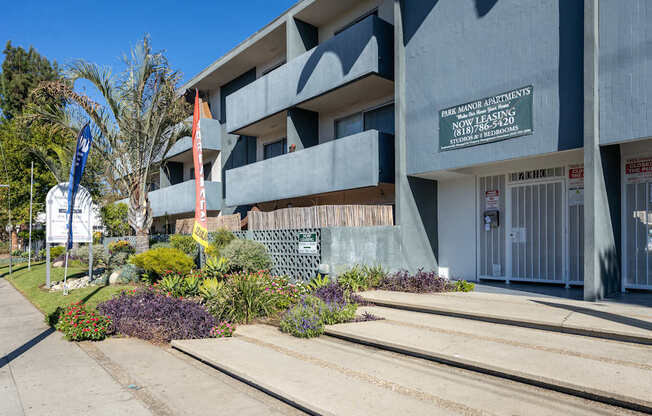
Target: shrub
pixel 335 293
pixel 157 261
pixel 420 282
pixel 242 299
pixel 149 315
pixel 283 292
pixel 172 284
pixel 97 237
pixel 78 324
pixel 210 288
pixel 217 268
pixel 129 273
pixel 185 243
pixel 17 253
pixel 302 321
pixel 374 275
pixel 100 254
pixel 222 330
pixel 116 260
pixel 354 279
pixel 318 282
pixel 463 286
pixel 219 239
pixel 308 317
pixel 121 246
pixel 247 255
pixel 160 244
pixel 56 251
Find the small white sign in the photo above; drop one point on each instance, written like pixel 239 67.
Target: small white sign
pixel 56 208
pixel 307 243
pixel 492 199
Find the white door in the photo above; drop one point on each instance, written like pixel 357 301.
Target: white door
pixel 536 234
pixel 638 211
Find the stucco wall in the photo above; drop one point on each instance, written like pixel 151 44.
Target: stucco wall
pixel 625 70
pixel 458 51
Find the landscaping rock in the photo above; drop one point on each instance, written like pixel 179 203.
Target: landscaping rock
pixel 59 263
pixel 72 284
pixel 114 279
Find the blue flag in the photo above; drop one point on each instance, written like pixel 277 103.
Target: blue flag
pixel 84 140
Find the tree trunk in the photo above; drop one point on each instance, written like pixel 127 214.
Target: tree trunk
pixel 142 241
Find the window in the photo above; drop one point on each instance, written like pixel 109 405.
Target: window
pixel 379 118
pixel 373 12
pixel 348 125
pixel 207 171
pixel 275 149
pixel 270 69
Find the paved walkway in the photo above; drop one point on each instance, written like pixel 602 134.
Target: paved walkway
pixel 601 318
pixel 333 377
pixel 43 374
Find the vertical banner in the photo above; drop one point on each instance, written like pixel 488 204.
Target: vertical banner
pixel 84 140
pixel 199 230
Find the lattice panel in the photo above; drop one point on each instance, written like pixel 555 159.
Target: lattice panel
pixel 282 246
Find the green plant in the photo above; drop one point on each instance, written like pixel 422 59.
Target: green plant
pixel 116 260
pixel 78 324
pixel 318 282
pixel 56 251
pixel 375 275
pixel 243 299
pixel 172 284
pixel 160 244
pixel 129 273
pixel 114 218
pixel 247 255
pixel 185 243
pixel 100 254
pixel 17 253
pixel 157 261
pixel 210 288
pixel 219 239
pixel 222 330
pixel 354 279
pixel 191 285
pixel 303 321
pixel 464 286
pixel 97 237
pixel 121 246
pixel 216 267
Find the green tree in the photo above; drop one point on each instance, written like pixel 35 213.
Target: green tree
pixel 142 118
pixel 114 218
pixel 22 71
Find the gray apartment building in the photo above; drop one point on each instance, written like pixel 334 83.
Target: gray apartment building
pixel 512 137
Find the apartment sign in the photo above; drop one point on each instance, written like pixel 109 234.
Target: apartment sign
pixel 576 185
pixel 308 243
pixel 491 119
pixel 56 214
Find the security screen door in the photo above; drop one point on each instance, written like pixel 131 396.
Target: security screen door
pixel 537 230
pixel 639 236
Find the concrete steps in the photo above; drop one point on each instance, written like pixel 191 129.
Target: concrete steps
pixel 612 372
pixel 607 320
pixel 331 377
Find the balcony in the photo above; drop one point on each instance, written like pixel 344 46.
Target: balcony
pixel 360 160
pixel 180 198
pixel 211 137
pixel 363 51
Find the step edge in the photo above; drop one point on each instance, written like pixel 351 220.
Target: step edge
pixel 526 323
pixel 584 392
pixel 251 381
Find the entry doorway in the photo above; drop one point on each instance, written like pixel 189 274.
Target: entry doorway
pixel 638 214
pixel 535 235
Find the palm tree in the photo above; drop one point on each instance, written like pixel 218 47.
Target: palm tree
pixel 142 118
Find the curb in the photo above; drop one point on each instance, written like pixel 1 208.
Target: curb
pixel 496 319
pixel 542 382
pixel 244 378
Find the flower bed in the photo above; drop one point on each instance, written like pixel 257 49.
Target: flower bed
pixel 150 315
pixel 79 324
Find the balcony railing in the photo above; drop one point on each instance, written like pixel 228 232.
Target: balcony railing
pixel 180 198
pixel 364 49
pixel 361 160
pixel 211 138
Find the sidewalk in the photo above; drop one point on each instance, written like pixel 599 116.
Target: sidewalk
pixel 43 374
pixel 602 319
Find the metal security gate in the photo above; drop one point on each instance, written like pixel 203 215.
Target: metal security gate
pixel 536 230
pixel 491 248
pixel 638 211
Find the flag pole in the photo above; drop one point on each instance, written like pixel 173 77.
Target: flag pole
pixel 31 194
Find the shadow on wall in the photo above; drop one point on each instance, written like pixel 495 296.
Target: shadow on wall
pixel 346 52
pixel 571 75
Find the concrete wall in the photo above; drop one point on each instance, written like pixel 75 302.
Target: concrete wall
pixel 211 138
pixel 343 247
pixel 180 198
pixel 363 50
pixel 352 162
pixel 457 51
pixel 457 218
pixel 625 68
pixel 385 12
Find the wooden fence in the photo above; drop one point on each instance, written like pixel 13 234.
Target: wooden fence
pixel 322 216
pixel 230 222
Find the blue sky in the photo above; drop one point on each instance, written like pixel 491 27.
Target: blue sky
pixel 193 33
